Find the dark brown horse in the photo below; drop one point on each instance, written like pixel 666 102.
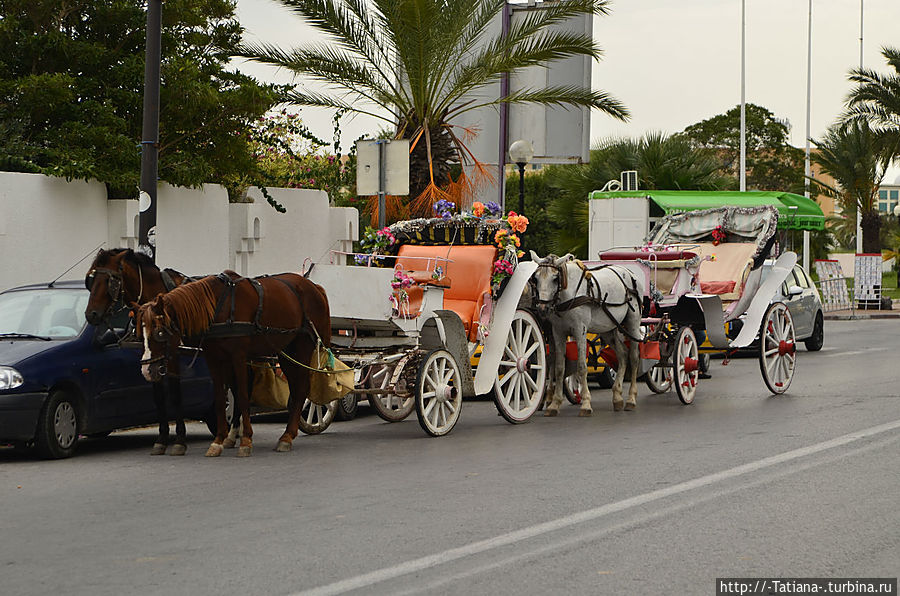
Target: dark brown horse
pixel 118 279
pixel 237 320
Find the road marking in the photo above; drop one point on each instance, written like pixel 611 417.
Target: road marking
pixel 857 352
pixel 474 548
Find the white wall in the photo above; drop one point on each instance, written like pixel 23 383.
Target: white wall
pixel 48 224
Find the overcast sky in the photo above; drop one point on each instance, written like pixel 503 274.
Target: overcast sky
pixel 676 62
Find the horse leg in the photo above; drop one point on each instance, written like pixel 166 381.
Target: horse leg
pixel 174 387
pixel 621 367
pixel 162 438
pixel 298 380
pixel 581 342
pixel 557 376
pixel 634 359
pixel 242 402
pixel 217 374
pixel 236 426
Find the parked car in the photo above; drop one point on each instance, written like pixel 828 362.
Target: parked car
pixel 61 378
pixel 801 296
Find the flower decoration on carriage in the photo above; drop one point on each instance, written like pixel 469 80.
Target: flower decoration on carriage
pixel 502 269
pixel 438 273
pixel 444 208
pixel 517 223
pixel 374 242
pixel 400 297
pixel 718 235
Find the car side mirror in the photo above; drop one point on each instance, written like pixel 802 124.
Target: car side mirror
pixel 108 337
pixel 795 291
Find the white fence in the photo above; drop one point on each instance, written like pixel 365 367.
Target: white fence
pixel 48 224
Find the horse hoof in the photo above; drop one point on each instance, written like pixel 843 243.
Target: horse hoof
pixel 618 406
pixel 158 449
pixel 284 446
pixel 215 450
pixel 630 406
pixel 229 443
pixel 584 413
pixel 245 451
pixel 551 413
pixel 178 449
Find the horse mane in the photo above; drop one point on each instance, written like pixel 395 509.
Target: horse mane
pixel 138 259
pixel 192 306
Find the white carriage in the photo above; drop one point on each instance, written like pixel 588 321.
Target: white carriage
pixel 411 341
pixel 703 275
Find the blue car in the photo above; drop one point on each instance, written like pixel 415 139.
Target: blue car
pixel 61 379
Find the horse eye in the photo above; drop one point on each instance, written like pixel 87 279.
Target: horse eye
pixel 88 281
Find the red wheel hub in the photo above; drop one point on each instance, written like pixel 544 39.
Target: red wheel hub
pixel 786 347
pixel 691 364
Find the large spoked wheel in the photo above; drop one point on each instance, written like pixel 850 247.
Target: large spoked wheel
pixel 777 348
pixel 438 393
pixel 57 429
pixel 519 386
pixel 315 418
pixel 659 379
pixel 687 365
pixel 388 406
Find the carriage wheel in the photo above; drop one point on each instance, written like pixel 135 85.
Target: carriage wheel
pixel 519 386
pixel 777 348
pixel 388 406
pixel 438 393
pixel 315 418
pixel 687 365
pixel 659 379
pixel 572 390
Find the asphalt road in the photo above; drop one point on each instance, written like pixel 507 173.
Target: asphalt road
pixel 661 500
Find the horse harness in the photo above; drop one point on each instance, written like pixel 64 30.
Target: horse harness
pixel 592 298
pixel 232 328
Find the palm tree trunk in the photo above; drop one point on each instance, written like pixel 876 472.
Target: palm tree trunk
pixel 871 227
pixel 442 157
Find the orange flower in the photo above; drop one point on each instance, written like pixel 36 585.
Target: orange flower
pixel 519 223
pixel 500 237
pixel 477 209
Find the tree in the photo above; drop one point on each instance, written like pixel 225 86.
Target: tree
pixel 72 84
pixel 662 162
pixel 772 163
pixel 412 64
pixel 851 153
pixel 876 101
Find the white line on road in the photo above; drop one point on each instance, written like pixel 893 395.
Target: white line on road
pixel 453 554
pixel 856 352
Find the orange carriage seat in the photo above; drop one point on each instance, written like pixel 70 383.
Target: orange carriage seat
pixel 468 272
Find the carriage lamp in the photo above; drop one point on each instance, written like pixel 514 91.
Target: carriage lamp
pixel 10 378
pixel 521 152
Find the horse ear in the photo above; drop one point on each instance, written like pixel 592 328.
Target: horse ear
pixel 563 259
pixel 535 257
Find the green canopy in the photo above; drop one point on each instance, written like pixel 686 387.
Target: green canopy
pixel 806 216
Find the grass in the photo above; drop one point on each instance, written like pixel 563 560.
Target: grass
pixel 889 285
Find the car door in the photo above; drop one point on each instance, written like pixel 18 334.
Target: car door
pixel 802 305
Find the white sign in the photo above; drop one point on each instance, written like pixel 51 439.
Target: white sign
pixel 833 285
pixel 867 278
pixel 396 167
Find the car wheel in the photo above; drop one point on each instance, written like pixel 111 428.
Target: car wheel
pixel 57 430
pixel 815 341
pixel 607 378
pixel 212 421
pixel 346 407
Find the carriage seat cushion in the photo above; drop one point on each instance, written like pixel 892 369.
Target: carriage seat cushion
pixel 726 274
pixel 469 271
pixel 633 255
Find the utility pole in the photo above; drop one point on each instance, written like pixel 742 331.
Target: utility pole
pixel 150 132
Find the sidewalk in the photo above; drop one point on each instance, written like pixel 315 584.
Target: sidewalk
pixel 856 315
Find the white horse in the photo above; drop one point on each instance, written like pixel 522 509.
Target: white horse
pixel 605 301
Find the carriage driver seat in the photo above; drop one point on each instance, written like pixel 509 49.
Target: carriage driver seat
pixel 469 273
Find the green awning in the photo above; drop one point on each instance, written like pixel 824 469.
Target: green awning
pixel 795 212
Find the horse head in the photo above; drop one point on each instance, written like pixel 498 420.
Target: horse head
pixel 160 336
pixel 549 280
pixel 115 276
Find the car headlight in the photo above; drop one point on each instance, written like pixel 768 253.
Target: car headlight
pixel 10 378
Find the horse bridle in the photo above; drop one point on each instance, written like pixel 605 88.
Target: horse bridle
pixel 115 282
pixel 161 334
pixel 561 283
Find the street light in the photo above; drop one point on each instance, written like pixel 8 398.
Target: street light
pixel 521 152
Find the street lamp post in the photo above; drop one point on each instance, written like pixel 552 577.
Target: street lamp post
pixel 521 152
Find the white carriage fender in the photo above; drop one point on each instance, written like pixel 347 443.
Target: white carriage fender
pixel 763 297
pixel 504 311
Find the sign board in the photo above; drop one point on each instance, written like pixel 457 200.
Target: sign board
pixel 369 167
pixel 867 280
pixel 617 222
pixel 832 285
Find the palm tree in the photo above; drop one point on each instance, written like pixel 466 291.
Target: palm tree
pixel 663 162
pixel 414 64
pixel 876 101
pixel 851 153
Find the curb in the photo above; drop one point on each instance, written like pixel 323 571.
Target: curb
pixel 861 317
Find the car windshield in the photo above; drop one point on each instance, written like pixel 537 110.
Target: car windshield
pixel 54 313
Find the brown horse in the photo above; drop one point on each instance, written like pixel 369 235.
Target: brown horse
pixel 118 279
pixel 239 319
